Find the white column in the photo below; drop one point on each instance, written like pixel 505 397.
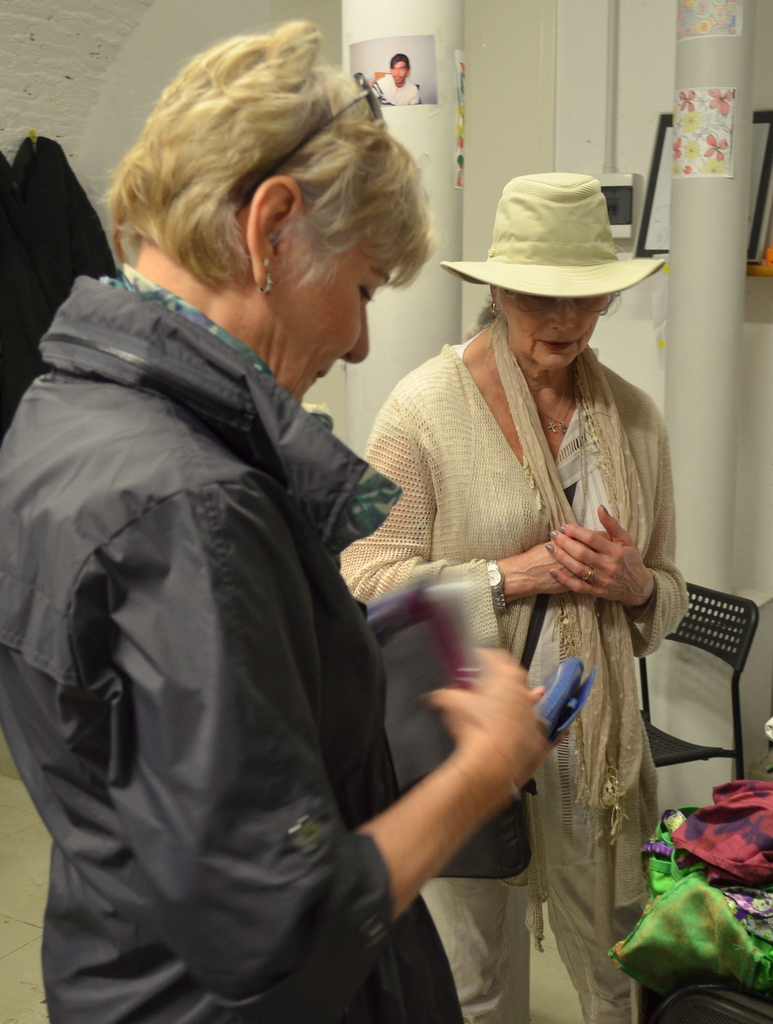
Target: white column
pixel 408 326
pixel 709 238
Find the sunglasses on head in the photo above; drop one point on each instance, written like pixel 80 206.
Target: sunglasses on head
pixel 375 109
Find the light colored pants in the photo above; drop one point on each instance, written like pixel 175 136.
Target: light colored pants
pixel 471 916
pixel 481 923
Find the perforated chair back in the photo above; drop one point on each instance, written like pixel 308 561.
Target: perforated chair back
pixel 713 1004
pixel 724 625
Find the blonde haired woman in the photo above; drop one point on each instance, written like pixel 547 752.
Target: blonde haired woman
pixel 543 478
pixel 191 694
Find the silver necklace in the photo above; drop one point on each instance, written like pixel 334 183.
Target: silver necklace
pixel 554 424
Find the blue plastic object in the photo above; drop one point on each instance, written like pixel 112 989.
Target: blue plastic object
pixel 565 694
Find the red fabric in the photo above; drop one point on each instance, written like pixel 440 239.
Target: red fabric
pixel 735 835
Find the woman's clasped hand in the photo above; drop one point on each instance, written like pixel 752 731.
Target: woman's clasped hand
pixel 604 563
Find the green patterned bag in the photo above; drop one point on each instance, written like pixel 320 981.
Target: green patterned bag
pixel 688 932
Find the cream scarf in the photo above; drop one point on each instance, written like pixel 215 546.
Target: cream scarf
pixel 608 735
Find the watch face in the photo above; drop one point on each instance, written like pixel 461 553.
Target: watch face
pixel 495 575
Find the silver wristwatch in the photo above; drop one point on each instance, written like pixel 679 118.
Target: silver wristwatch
pixel 496 580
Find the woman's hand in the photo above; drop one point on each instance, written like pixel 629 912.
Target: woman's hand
pixel 604 563
pixel 529 573
pixel 498 738
pixel 499 744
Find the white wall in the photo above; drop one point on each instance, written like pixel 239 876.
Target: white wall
pixel 54 57
pixel 625 341
pixel 510 61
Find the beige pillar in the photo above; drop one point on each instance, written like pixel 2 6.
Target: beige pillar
pixel 409 326
pixel 709 238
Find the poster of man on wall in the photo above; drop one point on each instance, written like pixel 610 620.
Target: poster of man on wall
pixel 401 69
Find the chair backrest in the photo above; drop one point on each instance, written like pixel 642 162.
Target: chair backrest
pixel 723 625
pixel 719 623
pixel 713 1003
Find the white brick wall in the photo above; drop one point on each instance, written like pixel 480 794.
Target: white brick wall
pixel 87 72
pixel 54 55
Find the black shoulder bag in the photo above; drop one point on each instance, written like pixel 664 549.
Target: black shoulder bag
pixel 419 742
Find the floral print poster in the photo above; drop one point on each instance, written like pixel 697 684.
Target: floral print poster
pixel 699 18
pixel 703 132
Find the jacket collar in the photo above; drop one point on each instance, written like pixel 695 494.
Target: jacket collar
pixel 126 338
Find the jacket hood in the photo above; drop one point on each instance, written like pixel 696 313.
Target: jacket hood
pixel 103 333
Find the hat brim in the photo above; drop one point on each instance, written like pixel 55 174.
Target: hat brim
pixel 565 282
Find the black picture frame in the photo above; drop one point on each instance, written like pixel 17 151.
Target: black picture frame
pixel 648 243
pixel 762 155
pixel 653 237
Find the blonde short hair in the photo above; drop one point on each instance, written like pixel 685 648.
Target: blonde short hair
pixel 227 119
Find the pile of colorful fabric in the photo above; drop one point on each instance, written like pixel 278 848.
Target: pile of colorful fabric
pixel 710 877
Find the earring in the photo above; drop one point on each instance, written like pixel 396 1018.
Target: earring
pixel 266 288
pixel 494 307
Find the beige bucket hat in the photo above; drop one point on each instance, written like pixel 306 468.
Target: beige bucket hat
pixel 552 237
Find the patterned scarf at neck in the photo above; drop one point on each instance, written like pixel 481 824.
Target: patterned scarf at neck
pixel 608 736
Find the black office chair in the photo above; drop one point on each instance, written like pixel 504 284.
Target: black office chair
pixel 723 625
pixel 713 1002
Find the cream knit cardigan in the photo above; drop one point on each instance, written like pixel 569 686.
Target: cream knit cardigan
pixel 466 499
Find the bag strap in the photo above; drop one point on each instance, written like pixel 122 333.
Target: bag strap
pixel 535 628
pixel 540 608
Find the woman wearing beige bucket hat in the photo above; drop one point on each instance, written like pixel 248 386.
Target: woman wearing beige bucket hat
pixel 543 477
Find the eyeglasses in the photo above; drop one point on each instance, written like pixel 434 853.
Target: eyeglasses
pixel 375 109
pixel 547 303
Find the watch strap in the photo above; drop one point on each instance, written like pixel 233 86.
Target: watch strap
pixel 498 588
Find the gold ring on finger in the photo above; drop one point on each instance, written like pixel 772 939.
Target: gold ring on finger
pixel 588 576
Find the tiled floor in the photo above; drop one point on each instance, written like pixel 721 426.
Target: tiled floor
pixel 553 998
pixel 24 851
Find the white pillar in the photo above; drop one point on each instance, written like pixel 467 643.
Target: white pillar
pixel 709 238
pixel 408 326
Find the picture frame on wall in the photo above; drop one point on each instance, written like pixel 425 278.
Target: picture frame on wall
pixel 654 230
pixel 761 194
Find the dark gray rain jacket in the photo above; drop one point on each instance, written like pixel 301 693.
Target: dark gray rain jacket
pixel 190 693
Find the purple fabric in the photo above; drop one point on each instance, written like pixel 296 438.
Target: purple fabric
pixel 656 846
pixel 752 901
pixel 734 836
